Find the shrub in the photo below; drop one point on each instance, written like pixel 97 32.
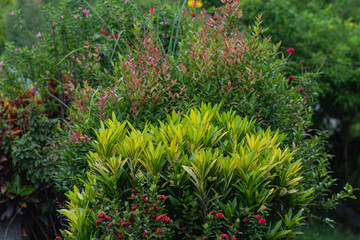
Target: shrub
pixel 33 101
pixel 233 172
pixel 214 62
pixel 143 63
pixel 26 128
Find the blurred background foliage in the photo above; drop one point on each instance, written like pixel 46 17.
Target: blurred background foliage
pixel 6 7
pixel 326 32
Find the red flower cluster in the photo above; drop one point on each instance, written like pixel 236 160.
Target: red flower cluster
pixel 163 217
pixel 100 217
pixel 291 51
pixel 103 31
pixel 122 222
pixel 262 220
pixel 219 215
pixel 162 197
pixel 224 236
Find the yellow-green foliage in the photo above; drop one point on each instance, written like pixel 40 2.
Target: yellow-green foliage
pixel 217 156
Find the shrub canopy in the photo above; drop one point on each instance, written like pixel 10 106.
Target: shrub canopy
pixel 211 158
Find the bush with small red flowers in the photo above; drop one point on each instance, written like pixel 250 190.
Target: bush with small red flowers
pixel 142 216
pixel 196 187
pixel 215 63
pixel 136 65
pixel 244 224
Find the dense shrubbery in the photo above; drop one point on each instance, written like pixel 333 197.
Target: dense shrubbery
pixel 26 127
pixel 33 102
pixel 214 63
pixel 141 64
pixel 211 167
pixel 323 31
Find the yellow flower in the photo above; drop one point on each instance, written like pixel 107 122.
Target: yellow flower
pixel 331 26
pixel 199 4
pixel 351 24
